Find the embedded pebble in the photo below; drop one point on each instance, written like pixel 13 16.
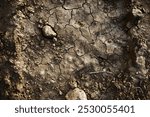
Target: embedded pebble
pixel 87 84
pixel 73 83
pixel 20 87
pixel 94 95
pixel 140 60
pixel 76 94
pixel 20 2
pixel 31 9
pixel 137 12
pixel 48 31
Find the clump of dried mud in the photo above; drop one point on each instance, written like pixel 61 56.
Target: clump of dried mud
pixel 49 48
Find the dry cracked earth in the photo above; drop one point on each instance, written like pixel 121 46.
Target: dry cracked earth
pixel 75 49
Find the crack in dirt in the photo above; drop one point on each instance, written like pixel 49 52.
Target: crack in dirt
pixel 101 45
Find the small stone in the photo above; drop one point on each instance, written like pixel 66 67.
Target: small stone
pixel 31 9
pixel 54 44
pixel 94 95
pixel 137 12
pixel 76 94
pixel 87 84
pixel 55 39
pixel 140 60
pixel 48 31
pixel 19 87
pixel 100 85
pixel 7 81
pixel 73 83
pixel 40 89
pixel 60 92
pixel 42 72
pixel 11 60
pixel 20 2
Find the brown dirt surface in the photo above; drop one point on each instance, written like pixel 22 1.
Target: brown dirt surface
pixel 51 48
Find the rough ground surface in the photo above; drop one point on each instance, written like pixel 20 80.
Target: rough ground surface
pixel 51 47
